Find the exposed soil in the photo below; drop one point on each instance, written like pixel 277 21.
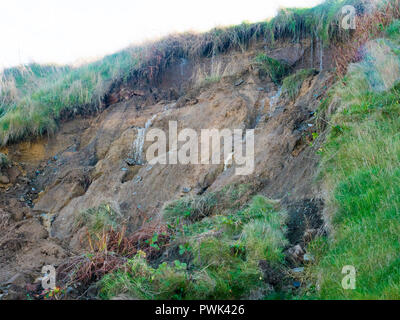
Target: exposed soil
pixel 88 162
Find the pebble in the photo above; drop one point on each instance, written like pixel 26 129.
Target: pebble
pixel 130 162
pixel 4 180
pixel 239 82
pixel 18 216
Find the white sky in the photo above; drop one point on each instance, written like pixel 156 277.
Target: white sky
pixel 64 31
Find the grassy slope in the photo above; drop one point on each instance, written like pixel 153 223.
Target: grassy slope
pixel 32 105
pixel 361 171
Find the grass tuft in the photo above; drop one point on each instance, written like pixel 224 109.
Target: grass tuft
pixel 275 69
pixel 98 220
pixel 291 85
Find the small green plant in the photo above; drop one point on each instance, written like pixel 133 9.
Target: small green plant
pixel 98 220
pixel 154 241
pixel 393 30
pixel 212 79
pixel 275 69
pixel 184 248
pixel 291 85
pixel 190 208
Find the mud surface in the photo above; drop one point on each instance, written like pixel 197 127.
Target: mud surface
pixel 93 160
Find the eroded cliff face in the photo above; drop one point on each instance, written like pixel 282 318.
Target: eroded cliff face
pixel 94 160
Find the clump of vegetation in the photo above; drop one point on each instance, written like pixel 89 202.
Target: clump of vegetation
pixel 191 208
pixel 225 252
pixel 275 69
pixel 34 100
pixel 393 30
pixel 291 85
pixel 360 164
pixel 194 208
pixel 109 246
pixel 99 219
pixel 210 80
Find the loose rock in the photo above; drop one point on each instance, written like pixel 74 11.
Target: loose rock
pixel 4 180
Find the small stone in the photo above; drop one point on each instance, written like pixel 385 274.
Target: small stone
pixel 4 180
pixel 296 253
pixel 18 216
pixel 130 162
pixel 186 190
pixel 92 291
pixel 239 82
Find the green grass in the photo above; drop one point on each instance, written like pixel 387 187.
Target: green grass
pixel 291 85
pixel 98 220
pixel 191 208
pixel 361 171
pixel 62 93
pixel 222 252
pixel 394 29
pixel 275 69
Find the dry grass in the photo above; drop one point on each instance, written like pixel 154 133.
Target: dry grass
pixel 110 250
pixel 369 26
